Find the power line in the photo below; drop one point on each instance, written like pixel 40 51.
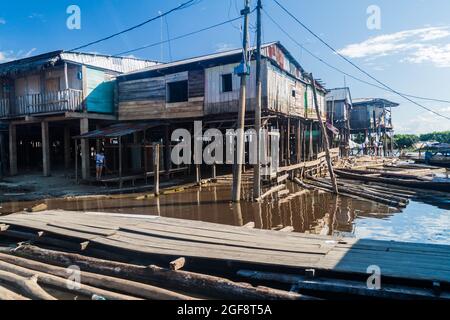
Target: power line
pixel 178 37
pixel 355 65
pixel 180 7
pixel 340 70
pixel 168 38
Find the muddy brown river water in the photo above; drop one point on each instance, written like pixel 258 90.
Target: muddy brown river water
pixel 424 220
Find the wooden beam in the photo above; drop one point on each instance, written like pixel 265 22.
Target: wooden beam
pixel 67 145
pixel 85 165
pixel 156 160
pixel 12 150
pixel 45 149
pixel 324 136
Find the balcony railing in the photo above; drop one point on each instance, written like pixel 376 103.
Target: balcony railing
pixel 49 102
pixel 4 108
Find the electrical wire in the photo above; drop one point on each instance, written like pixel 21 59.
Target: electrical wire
pixel 178 37
pixel 355 65
pixel 180 7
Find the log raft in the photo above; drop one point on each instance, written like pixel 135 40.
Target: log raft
pixel 212 257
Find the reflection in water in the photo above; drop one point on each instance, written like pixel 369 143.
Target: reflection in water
pixel 315 212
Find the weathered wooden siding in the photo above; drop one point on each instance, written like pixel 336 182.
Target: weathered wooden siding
pixel 219 102
pixel 36 82
pixel 99 91
pixel 310 110
pixel 276 54
pixel 146 98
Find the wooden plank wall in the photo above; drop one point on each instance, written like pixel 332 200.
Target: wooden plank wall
pixel 219 102
pixel 146 98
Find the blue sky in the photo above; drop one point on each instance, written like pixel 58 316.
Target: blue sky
pixel 410 52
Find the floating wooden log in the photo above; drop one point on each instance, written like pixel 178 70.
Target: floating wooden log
pixel 431 185
pixel 361 194
pixel 177 264
pixel 271 191
pixel 6 294
pixel 27 286
pixel 61 283
pixel 365 190
pixel 182 280
pixel 106 282
pixel 250 225
pixel 386 174
pixel 36 238
pixel 341 286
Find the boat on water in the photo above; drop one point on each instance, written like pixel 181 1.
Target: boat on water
pixel 436 154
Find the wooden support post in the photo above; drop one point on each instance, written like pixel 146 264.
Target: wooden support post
pixel 304 143
pixel 288 142
pixel 12 150
pixel 311 150
pixel 365 143
pixel 2 154
pixel 299 141
pixel 67 147
pixel 167 151
pixel 66 77
pixel 214 172
pixel 45 149
pixel 324 136
pixel 198 174
pixel 120 163
pixel 85 152
pixel 282 144
pixel 77 154
pixel 156 161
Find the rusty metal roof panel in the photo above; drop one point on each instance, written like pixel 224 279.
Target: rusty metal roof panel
pixel 119 130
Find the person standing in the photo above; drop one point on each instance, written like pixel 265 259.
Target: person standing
pixel 99 164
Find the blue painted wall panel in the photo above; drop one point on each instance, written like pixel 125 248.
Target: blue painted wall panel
pixel 100 92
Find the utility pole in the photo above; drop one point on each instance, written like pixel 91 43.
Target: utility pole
pixel 243 70
pixel 325 136
pixel 257 168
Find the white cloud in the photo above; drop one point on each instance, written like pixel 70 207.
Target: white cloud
pixel 417 46
pixel 37 16
pixel 426 122
pixel 221 47
pixel 439 55
pixel 2 20
pixel 10 55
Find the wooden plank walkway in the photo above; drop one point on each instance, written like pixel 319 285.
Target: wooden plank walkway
pixel 151 235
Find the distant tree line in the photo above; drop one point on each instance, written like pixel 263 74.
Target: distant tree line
pixel 406 141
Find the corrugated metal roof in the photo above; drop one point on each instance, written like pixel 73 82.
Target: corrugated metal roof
pixel 49 59
pixel 207 57
pixel 339 94
pixel 374 101
pixel 118 64
pixel 119 130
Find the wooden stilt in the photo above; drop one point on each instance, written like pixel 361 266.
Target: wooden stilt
pixel 67 147
pixel 167 151
pixel 45 149
pixel 198 174
pixel 156 161
pixel 324 136
pixel 120 163
pixel 12 150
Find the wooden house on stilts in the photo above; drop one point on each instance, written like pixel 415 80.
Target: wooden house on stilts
pixel 206 89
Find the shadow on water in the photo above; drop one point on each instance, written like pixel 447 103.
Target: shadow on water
pixel 315 212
